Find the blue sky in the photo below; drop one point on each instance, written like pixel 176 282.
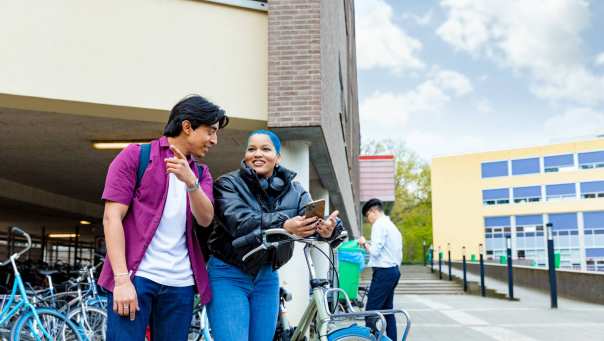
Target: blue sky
pixel 457 76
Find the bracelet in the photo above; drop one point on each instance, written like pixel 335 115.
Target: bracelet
pixel 194 188
pixel 122 274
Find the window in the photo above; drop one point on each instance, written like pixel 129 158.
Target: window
pixel 527 194
pixel 591 160
pixel 497 229
pixel 592 189
pixel 526 166
pixel 530 238
pixel 560 191
pixel 566 239
pixel 593 223
pixel 498 196
pixel 558 163
pixel 494 169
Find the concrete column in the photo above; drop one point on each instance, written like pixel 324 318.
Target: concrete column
pixel 294 274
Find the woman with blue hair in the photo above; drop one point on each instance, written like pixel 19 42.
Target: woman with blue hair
pixel 260 195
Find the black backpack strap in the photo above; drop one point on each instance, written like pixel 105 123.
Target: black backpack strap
pixel 143 161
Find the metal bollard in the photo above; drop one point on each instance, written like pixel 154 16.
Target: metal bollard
pixel 482 288
pixel 424 255
pixel 551 264
pixel 440 264
pixel 449 261
pixel 510 269
pixel 465 269
pixel 432 259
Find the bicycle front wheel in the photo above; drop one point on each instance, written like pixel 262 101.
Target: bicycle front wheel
pixel 353 333
pixel 52 324
pixel 91 320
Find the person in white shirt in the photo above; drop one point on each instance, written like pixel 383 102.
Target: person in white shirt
pixel 385 256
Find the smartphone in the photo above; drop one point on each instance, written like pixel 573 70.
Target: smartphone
pixel 315 209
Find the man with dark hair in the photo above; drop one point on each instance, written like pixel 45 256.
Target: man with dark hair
pixel 385 256
pixel 153 193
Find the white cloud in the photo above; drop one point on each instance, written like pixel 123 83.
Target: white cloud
pixel 386 114
pixel 484 106
pixel 600 59
pixel 576 122
pixel 380 42
pixel 430 144
pixel 528 36
pixel 421 20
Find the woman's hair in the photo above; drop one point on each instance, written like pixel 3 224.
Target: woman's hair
pixel 274 138
pixel 197 110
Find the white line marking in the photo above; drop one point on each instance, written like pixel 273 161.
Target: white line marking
pixel 502 334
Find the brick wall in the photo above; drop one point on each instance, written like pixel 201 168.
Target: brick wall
pixel 294 77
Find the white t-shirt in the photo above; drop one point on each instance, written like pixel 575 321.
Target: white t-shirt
pixel 166 260
pixel 386 249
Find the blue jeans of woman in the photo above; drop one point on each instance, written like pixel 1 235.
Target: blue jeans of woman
pixel 243 307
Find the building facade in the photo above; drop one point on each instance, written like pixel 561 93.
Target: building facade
pixel 77 73
pixel 484 198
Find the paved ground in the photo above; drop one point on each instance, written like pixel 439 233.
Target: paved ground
pixel 473 318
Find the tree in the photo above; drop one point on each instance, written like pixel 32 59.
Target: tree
pixel 412 208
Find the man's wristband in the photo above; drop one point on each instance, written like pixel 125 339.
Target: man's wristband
pixel 194 188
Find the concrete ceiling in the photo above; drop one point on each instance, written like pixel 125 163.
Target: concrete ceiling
pixel 53 152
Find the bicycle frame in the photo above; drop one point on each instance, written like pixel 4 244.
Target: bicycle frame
pixel 23 304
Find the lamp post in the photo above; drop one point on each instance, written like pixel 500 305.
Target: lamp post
pixel 551 264
pixel 508 241
pixel 482 288
pixel 465 269
pixel 424 255
pixel 440 263
pixel 449 260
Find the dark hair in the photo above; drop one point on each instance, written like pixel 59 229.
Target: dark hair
pixel 371 204
pixel 197 110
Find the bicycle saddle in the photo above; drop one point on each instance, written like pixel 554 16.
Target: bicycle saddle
pixel 47 272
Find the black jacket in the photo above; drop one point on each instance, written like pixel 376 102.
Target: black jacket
pixel 242 206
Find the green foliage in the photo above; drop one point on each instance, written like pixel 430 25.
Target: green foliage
pixel 412 209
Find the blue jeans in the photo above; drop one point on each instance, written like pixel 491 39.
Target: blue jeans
pixel 381 296
pixel 243 307
pixel 168 310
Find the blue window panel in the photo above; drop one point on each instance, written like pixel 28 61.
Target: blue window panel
pixel 527 192
pixel 497 221
pixel 522 220
pixel 593 220
pixel 526 166
pixel 591 157
pixel 564 221
pixel 494 169
pixel 560 189
pixel 559 160
pixel 592 187
pixel 595 252
pixel 494 194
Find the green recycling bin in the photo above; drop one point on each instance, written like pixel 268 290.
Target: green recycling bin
pixel 557 260
pixel 351 261
pixel 503 259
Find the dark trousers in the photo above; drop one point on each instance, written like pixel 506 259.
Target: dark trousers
pixel 381 296
pixel 168 310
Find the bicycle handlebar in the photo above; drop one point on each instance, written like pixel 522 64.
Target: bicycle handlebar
pixel 292 238
pixel 16 230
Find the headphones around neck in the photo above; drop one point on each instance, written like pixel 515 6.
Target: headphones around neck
pixel 274 183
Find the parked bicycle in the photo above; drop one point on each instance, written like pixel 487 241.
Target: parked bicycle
pixel 32 323
pixel 318 321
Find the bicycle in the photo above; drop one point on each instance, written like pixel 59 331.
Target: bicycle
pixel 318 321
pixel 33 323
pixel 200 327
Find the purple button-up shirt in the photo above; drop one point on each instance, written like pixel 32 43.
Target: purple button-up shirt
pixel 146 204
